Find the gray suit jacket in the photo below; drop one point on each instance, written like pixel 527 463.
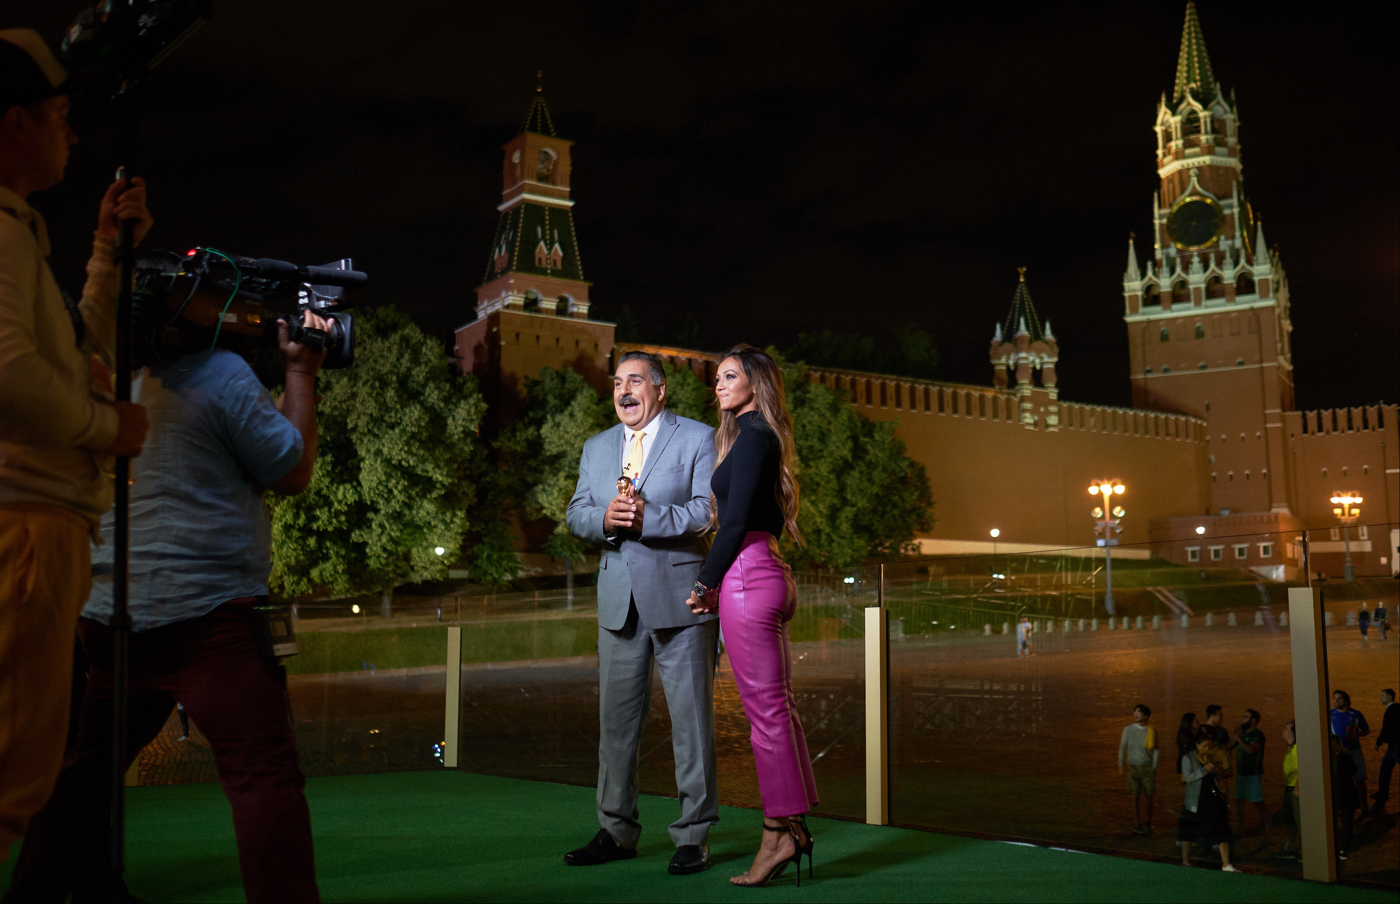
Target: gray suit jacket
pixel 657 567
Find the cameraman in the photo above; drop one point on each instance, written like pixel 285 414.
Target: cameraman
pixel 200 559
pixel 57 434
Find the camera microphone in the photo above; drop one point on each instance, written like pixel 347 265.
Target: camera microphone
pixel 269 268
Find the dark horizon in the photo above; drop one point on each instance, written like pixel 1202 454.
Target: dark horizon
pixel 765 172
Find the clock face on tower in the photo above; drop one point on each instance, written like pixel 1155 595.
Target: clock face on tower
pixel 1195 222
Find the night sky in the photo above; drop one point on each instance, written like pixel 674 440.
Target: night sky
pixel 774 168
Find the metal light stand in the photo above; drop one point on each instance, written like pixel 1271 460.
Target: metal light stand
pixel 121 539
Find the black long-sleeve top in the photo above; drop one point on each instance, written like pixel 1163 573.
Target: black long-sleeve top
pixel 1390 726
pixel 745 486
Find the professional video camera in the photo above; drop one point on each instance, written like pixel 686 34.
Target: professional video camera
pixel 207 299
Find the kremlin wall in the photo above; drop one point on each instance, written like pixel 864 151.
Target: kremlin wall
pixel 1221 470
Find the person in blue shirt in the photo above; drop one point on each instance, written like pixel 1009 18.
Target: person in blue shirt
pixel 200 557
pixel 1349 725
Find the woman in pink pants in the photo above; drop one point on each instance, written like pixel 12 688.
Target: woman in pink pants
pixel 753 503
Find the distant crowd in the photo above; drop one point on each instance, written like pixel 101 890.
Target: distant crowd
pixel 1211 779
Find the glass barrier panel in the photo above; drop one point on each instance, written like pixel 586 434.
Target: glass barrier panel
pixel 365 692
pixel 1014 683
pixel 1363 659
pixel 530 695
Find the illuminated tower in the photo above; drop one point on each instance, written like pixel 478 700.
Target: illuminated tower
pixel 534 262
pixel 532 306
pixel 1021 346
pixel 1207 316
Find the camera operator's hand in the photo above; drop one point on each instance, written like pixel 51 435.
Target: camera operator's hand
pixel 299 400
pixel 123 202
pixel 132 426
pixel 296 356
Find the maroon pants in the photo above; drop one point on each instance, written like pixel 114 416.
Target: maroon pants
pixel 239 701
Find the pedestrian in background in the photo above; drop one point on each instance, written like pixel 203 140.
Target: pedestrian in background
pixel 1249 768
pixel 1024 645
pixel 1138 746
pixel 1381 618
pixel 1345 800
pixel 1349 725
pixel 1291 818
pixel 1363 621
pixel 1205 816
pixel 1186 737
pixel 1215 722
pixel 1390 736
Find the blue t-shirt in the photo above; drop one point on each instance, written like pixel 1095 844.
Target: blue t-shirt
pixel 201 533
pixel 1349 726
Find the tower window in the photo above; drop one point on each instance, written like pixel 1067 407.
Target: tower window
pixel 1215 288
pixel 1166 334
pixel 1181 293
pixel 1244 285
pixel 1239 362
pixel 1149 371
pixel 1166 370
pixel 1200 331
pixel 1203 366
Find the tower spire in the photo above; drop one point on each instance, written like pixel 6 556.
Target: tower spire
pixel 538 119
pixel 1193 72
pixel 1132 274
pixel 1021 317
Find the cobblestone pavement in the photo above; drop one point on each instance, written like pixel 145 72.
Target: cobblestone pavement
pixel 981 741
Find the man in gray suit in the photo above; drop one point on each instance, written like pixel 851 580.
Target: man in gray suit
pixel 652 555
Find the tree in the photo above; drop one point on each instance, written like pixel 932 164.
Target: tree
pixel 861 495
pixel 398 471
pixel 542 450
pixel 688 396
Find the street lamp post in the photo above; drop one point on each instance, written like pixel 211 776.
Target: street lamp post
pixel 996 532
pixel 1348 511
pixel 1107 528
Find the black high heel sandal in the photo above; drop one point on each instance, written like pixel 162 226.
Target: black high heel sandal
pixel 800 822
pixel 778 869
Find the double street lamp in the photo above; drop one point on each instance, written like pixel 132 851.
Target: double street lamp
pixel 1348 511
pixel 996 575
pixel 1107 528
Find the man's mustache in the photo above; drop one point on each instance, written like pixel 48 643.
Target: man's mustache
pixel 629 398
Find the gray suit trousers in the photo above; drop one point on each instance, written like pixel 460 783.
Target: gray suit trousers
pixel 685 659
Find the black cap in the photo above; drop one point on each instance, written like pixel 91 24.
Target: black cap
pixel 29 72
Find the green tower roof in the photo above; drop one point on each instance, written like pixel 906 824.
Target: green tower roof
pixel 1193 73
pixel 1022 313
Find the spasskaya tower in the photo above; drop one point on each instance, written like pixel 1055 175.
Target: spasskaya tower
pixel 1208 313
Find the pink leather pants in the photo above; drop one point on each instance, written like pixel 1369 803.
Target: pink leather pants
pixel 757 599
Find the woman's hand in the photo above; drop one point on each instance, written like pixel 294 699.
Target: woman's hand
pixel 703 605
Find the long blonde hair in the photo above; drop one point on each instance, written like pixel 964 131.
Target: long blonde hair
pixel 767 382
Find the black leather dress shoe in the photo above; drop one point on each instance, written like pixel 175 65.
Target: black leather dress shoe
pixel 690 858
pixel 602 849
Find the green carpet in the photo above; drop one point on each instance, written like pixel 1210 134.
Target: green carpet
pixel 453 836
